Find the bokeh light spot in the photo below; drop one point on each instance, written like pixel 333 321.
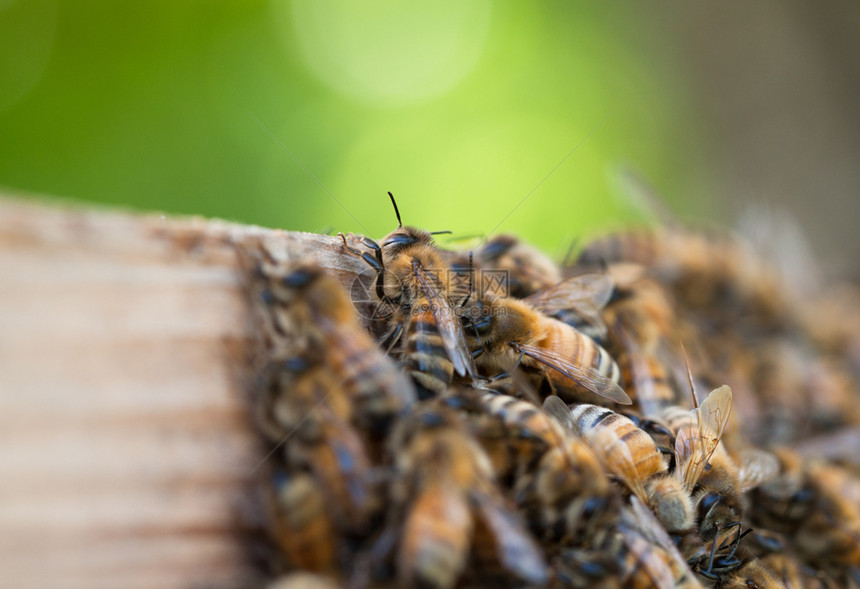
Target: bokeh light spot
pixel 388 52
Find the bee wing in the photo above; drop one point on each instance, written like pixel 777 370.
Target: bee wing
pixel 558 410
pixel 695 444
pixel 583 375
pixel 757 467
pixel 647 397
pixel 620 463
pixel 654 531
pixel 517 550
pixel 449 326
pixel 587 293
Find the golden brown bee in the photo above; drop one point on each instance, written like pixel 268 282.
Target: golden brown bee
pixel 452 507
pixel 331 450
pixel 636 553
pixel 817 506
pixel 416 283
pixel 508 267
pixel 631 455
pixel 697 437
pixel 642 325
pixel 712 272
pixel 795 574
pixel 708 472
pixel 507 333
pixel 753 573
pixel 559 483
pixel 577 301
pixel 302 524
pixel 521 268
pixel 307 312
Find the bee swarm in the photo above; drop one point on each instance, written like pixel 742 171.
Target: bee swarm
pixel 432 424
pixel 491 450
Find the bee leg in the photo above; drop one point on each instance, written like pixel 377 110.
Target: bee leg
pixel 348 247
pixel 389 340
pixel 471 286
pixel 374 261
pixel 737 541
pixel 377 264
pixel 708 573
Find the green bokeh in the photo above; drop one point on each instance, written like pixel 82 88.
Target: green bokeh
pixel 174 106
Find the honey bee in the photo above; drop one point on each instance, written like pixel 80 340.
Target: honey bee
pixel 332 451
pixel 711 272
pixel 302 524
pixel 706 469
pixel 773 551
pixel 559 483
pixel 577 301
pixel 314 329
pixel 445 487
pixel 817 506
pixel 508 333
pixel 523 272
pixel 636 552
pixel 414 280
pixel 795 574
pixel 523 268
pixel 753 573
pixel 631 455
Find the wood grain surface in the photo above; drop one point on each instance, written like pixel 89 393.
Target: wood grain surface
pixel 127 454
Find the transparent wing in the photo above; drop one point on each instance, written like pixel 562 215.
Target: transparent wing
pixel 558 410
pixel 647 397
pixel 583 375
pixel 586 292
pixel 449 325
pixel 757 467
pixel 620 462
pixel 696 442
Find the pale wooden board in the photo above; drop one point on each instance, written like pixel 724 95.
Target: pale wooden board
pixel 127 452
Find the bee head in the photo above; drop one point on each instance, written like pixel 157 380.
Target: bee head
pixel 496 247
pixel 404 237
pixel 301 276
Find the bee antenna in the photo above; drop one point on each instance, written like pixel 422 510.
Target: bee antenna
pixel 568 257
pixel 396 212
pixel 690 377
pixel 439 232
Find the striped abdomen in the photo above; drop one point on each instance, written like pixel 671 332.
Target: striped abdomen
pixel 426 358
pixel 646 381
pixel 580 350
pixel 618 436
pixel 525 417
pixel 373 383
pixel 302 523
pixel 640 246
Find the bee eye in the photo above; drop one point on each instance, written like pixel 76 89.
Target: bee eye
pixel 295 364
pixel 708 501
pixel 399 240
pixel 298 278
pixel 483 325
pixel 495 249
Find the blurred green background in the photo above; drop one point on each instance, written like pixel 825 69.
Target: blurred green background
pixel 301 115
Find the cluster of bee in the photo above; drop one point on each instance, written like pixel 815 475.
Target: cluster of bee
pixel 543 428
